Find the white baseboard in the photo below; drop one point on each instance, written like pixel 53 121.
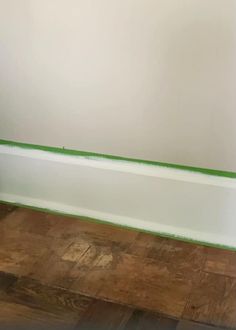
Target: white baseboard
pixel 169 201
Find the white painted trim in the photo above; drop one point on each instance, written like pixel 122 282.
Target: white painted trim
pixel 165 200
pixel 122 166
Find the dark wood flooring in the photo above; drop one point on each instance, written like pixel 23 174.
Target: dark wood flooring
pixel 61 272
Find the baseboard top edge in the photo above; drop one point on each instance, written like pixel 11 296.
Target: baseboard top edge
pixel 122 226
pixel 93 155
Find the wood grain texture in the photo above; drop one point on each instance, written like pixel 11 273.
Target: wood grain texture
pixel 147 284
pixel 5 209
pixel 213 301
pixel 187 325
pixel 60 264
pixel 221 262
pixel 27 304
pixel 16 316
pixel 44 297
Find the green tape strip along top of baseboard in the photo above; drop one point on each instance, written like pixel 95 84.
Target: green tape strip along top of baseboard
pixel 87 154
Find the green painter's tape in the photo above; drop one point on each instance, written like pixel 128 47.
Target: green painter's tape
pixel 154 233
pixel 93 155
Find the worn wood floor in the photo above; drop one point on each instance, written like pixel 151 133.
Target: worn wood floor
pixel 58 271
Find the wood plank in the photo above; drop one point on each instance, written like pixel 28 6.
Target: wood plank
pixel 76 250
pixel 147 284
pixel 221 262
pixel 27 220
pixel 104 315
pixel 73 264
pixel 186 256
pixel 213 301
pixel 126 267
pixel 89 274
pixel 27 303
pixel 25 252
pixel 36 295
pixel 17 316
pixel 145 243
pixel 19 251
pixel 187 325
pixel 52 270
pixel 6 209
pixel 37 222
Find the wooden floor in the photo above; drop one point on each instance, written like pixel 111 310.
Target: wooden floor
pixel 58 271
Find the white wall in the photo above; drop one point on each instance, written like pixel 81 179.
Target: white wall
pixel 151 79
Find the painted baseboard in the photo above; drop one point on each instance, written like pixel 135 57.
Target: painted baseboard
pixel 171 201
